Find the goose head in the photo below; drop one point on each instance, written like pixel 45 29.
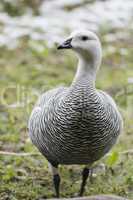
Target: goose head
pixel 87 46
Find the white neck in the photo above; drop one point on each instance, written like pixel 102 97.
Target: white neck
pixel 86 71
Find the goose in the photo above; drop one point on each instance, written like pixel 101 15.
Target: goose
pixel 78 124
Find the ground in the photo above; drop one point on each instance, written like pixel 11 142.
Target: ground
pixel 32 68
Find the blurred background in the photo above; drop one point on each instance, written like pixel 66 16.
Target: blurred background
pixel 30 64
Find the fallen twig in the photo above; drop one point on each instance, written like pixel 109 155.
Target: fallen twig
pixel 5 153
pixel 130 151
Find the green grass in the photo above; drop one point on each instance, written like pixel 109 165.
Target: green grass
pixel 27 71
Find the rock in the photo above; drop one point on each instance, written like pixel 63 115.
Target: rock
pixel 97 197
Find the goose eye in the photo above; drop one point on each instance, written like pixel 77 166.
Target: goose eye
pixel 84 38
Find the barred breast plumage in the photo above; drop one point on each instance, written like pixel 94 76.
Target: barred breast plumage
pixel 77 124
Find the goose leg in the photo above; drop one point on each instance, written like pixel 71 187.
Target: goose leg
pixel 56 180
pixel 85 173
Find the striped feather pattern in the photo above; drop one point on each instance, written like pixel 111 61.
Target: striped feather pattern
pixel 75 125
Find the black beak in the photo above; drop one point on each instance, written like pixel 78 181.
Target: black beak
pixel 66 44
